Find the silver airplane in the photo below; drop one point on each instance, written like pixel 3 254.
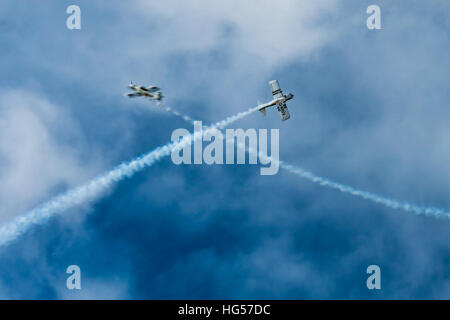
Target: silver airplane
pixel 151 92
pixel 278 99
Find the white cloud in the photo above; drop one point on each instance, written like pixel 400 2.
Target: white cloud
pixel 272 32
pixel 39 152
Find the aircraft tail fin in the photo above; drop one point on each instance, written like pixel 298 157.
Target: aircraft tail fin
pixel 263 110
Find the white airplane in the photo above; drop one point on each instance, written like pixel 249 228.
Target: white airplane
pixel 278 99
pixel 151 92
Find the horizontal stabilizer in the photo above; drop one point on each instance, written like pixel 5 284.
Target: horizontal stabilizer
pixel 262 110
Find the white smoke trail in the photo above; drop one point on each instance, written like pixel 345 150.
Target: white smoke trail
pixel 97 186
pixel 175 112
pixel 390 203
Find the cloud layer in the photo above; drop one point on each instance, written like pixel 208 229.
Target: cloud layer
pixel 370 110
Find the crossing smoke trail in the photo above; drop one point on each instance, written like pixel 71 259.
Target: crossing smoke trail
pixel 390 203
pixel 99 185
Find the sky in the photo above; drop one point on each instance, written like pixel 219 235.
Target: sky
pixel 370 111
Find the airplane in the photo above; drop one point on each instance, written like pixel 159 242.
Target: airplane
pixel 278 99
pixel 151 92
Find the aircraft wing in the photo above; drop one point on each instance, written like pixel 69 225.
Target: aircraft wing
pixel 284 112
pixel 132 95
pixel 153 89
pixel 276 90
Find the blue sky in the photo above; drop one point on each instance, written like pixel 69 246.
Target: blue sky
pixel 370 111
